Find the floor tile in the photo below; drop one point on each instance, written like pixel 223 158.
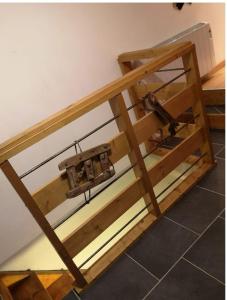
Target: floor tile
pixel 161 246
pixel 123 281
pixel 208 253
pixel 217 136
pixel 185 282
pixel 223 215
pixel 215 179
pixel 221 153
pixel 197 209
pixel 217 148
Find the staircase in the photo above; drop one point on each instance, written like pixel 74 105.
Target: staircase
pixel 30 285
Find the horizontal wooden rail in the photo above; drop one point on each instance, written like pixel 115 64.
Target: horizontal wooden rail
pixel 91 228
pixel 36 133
pixel 147 53
pixel 165 93
pixel 53 194
pixel 214 96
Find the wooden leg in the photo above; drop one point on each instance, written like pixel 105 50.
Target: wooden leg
pixel 28 200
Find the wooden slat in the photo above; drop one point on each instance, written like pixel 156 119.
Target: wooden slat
pixel 61 287
pixel 173 158
pixel 31 136
pixel 29 288
pixel 53 194
pixel 97 223
pixel 216 121
pixel 26 197
pixel 193 77
pixel 103 218
pixel 4 292
pixel 214 96
pixel 108 258
pixel 147 53
pixel 165 93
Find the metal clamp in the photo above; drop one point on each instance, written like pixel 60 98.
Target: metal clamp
pixel 151 103
pixel 88 169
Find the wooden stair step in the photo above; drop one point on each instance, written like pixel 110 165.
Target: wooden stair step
pixel 29 288
pixel 9 279
pixel 61 287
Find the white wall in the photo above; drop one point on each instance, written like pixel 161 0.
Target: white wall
pixel 53 54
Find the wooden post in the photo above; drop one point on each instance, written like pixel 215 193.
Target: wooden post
pixel 28 200
pixel 138 109
pixel 193 77
pixel 124 124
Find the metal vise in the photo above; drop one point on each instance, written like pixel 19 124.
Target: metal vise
pixel 87 169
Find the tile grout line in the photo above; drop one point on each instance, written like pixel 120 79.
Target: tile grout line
pixel 182 225
pixel 140 265
pixel 193 243
pixel 219 151
pixel 219 144
pixel 218 157
pixel 203 188
pixel 202 270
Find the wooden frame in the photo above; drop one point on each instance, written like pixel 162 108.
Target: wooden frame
pixel 125 143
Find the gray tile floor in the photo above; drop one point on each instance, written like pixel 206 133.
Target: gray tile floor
pixel 181 257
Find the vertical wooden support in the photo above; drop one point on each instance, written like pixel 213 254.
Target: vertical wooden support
pixel 193 77
pixel 28 200
pixel 138 110
pixel 124 124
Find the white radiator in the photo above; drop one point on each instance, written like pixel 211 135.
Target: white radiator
pixel 201 35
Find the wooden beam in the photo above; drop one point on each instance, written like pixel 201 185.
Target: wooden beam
pixel 214 96
pixel 193 77
pixel 148 53
pixel 41 220
pixel 36 133
pixel 216 121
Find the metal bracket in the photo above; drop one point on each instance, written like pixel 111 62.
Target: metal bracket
pixel 151 103
pixel 87 169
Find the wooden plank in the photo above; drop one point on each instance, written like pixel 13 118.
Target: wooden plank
pixel 53 194
pixel 216 121
pixel 41 220
pixel 36 133
pixel 4 292
pixel 165 93
pixel 184 187
pixel 29 288
pixel 103 218
pixel 61 287
pixel 193 77
pixel 173 158
pixel 209 75
pixel 214 96
pixel 121 246
pixel 148 53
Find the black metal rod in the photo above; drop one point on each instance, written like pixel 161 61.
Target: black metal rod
pixel 168 70
pixel 94 130
pixel 136 215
